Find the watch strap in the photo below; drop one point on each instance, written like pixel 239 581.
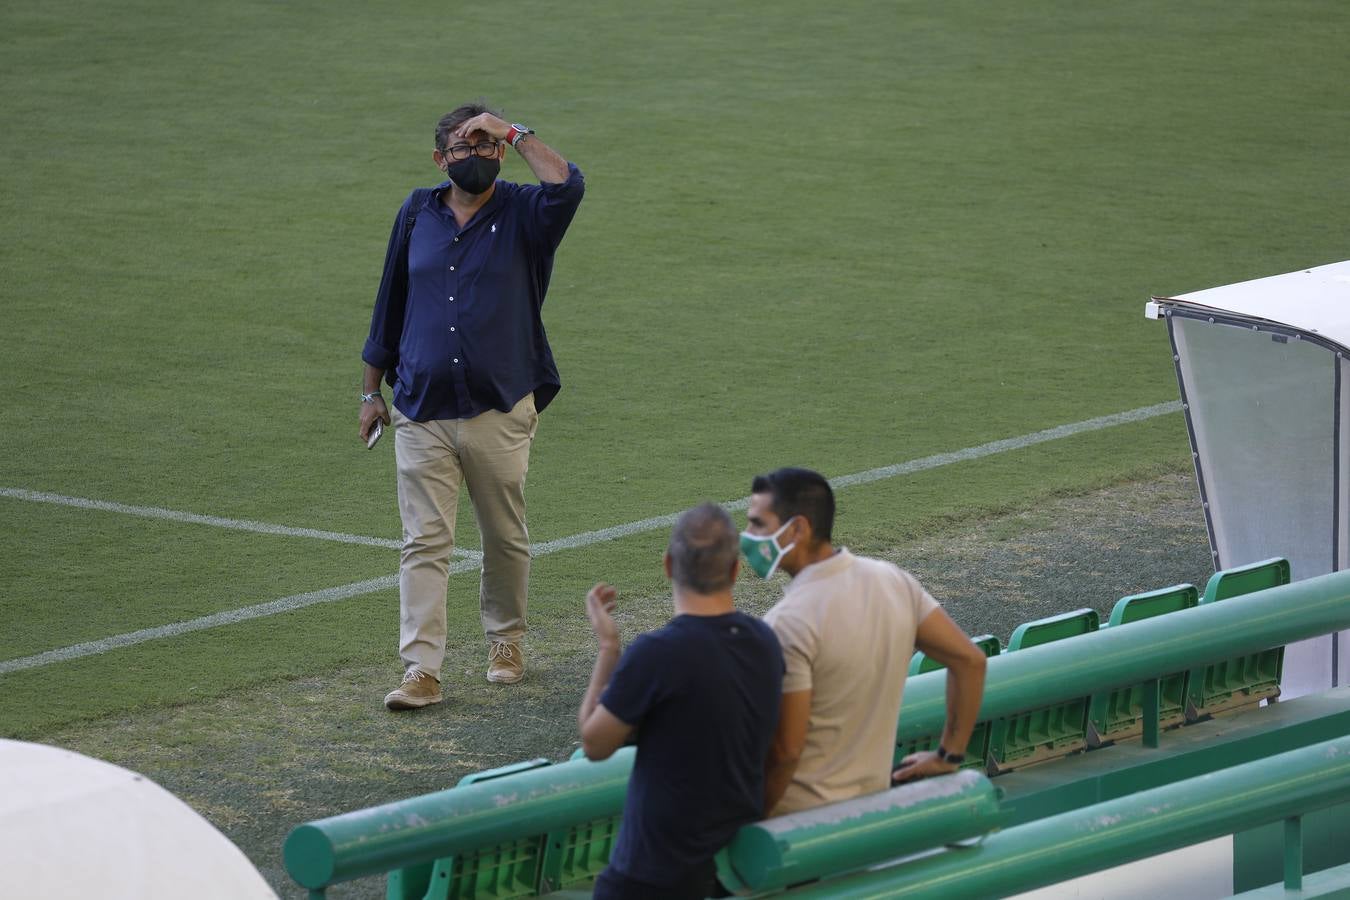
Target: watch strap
pixel 371 397
pixel 954 758
pixel 517 134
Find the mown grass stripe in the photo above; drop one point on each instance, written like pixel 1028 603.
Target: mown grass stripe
pixel 1016 443
pixel 229 617
pixel 175 515
pixel 584 539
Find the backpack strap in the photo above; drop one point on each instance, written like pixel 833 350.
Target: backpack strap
pixel 418 198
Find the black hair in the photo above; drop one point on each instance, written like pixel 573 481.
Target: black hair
pixel 703 550
pixel 799 492
pixel 457 117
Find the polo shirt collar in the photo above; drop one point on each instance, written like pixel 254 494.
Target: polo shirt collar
pixel 836 564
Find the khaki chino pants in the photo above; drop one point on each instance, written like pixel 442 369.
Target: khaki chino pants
pixel 490 454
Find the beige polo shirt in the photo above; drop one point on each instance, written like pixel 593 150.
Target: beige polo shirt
pixel 847 627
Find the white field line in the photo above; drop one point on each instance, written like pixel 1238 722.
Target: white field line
pixel 344 592
pixel 174 515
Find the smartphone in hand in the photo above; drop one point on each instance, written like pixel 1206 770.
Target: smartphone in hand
pixel 375 433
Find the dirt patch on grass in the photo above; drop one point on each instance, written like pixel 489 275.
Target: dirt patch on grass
pixel 261 762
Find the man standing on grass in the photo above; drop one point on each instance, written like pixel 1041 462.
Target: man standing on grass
pixel 457 332
pixel 701 695
pixel 848 626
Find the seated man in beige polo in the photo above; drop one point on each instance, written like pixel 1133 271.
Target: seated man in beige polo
pixel 848 626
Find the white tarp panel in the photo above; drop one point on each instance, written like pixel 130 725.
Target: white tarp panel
pixel 71 826
pixel 1262 415
pixel 1263 410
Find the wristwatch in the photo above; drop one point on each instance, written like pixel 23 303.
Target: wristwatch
pixel 954 758
pixel 517 134
pixel 371 397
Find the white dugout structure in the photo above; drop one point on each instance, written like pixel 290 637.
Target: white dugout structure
pixel 1264 372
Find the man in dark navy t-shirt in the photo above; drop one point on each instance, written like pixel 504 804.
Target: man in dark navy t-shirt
pixel 701 695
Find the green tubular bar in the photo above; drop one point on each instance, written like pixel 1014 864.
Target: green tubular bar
pixel 1118 831
pixel 455 821
pixel 841 836
pixel 1118 657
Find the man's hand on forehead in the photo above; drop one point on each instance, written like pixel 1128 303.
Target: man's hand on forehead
pixel 484 126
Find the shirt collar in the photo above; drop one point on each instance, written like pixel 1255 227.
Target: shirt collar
pixel 826 568
pixel 483 211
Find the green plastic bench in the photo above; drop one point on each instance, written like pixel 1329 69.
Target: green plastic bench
pixel 1049 731
pixel 509 869
pixel 1242 680
pixel 978 747
pixel 1119 714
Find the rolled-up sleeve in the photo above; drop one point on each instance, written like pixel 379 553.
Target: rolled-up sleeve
pixel 386 322
pixel 552 207
pixel 798 641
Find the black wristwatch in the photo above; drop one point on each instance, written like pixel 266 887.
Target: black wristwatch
pixel 954 758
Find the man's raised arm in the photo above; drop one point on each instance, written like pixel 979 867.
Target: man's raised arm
pixel 545 162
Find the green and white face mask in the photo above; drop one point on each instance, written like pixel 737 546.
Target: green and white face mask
pixel 762 553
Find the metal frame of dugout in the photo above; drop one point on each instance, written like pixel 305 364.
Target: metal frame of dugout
pixel 538 829
pixel 1262 368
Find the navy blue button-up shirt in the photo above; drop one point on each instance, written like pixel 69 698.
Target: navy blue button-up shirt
pixel 460 328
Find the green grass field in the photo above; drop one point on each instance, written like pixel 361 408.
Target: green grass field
pixel 841 236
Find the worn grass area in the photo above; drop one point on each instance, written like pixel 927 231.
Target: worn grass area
pixel 257 762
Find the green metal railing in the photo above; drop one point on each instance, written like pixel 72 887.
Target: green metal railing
pixel 1139 654
pixel 840 836
pixel 457 820
pixel 531 804
pixel 1054 849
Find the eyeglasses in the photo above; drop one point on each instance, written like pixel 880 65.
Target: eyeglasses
pixel 487 150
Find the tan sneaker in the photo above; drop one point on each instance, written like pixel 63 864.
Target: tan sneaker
pixel 418 689
pixel 506 664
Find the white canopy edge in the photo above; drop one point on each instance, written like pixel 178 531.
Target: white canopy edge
pixel 1314 301
pixel 72 826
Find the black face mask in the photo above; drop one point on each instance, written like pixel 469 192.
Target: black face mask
pixel 475 174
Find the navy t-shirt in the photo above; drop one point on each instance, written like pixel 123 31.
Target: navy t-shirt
pixel 703 693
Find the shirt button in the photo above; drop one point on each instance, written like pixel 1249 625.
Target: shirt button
pixel 452 299
pixel 452 328
pixel 452 268
pixel 456 359
pixel 456 240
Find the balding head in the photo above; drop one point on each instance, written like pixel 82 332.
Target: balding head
pixel 703 550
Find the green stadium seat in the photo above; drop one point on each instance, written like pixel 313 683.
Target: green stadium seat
pixel 576 855
pixel 1244 680
pixel 978 747
pixel 510 869
pixel 1051 731
pixel 920 662
pixel 1119 714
